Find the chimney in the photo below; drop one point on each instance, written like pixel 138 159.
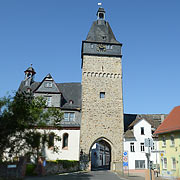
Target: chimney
pixel 162 118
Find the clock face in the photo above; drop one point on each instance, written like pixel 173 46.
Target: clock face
pixel 101 48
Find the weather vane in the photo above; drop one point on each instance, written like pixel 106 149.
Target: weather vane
pixel 99 4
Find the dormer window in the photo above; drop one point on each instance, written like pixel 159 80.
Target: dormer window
pixel 48 84
pixel 28 90
pixel 71 102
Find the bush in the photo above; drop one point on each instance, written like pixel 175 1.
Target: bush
pixel 30 169
pixel 67 164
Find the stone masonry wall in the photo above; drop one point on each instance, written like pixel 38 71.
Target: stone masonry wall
pixel 102 117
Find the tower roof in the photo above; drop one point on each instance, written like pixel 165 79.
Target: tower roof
pixel 100 30
pixel 30 69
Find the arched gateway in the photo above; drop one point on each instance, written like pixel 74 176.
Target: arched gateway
pixel 100 154
pixel 102 102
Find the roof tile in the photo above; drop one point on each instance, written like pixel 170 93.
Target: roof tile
pixel 171 123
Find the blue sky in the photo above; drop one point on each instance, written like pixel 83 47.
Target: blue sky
pixel 48 34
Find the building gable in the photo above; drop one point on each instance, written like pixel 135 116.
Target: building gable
pixel 47 85
pixel 142 122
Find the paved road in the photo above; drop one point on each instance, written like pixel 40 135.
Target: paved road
pixel 92 175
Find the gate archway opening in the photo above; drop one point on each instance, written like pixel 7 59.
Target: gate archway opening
pixel 100 155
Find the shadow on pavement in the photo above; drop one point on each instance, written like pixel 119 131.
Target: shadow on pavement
pixel 69 176
pixel 103 168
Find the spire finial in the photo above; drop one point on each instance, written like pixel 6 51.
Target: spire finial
pixel 99 4
pixel 101 12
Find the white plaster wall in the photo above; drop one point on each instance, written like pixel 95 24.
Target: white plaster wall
pixel 155 157
pixel 132 156
pixel 138 155
pixel 71 153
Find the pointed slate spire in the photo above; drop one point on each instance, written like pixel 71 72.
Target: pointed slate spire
pixel 100 30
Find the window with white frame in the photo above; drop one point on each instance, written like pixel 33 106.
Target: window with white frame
pixel 142 147
pixel 172 140
pixel 165 163
pixel 173 162
pixel 139 164
pixel 69 116
pixel 132 147
pixel 48 100
pixel 153 146
pixel 163 141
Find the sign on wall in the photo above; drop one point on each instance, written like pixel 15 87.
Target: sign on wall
pixel 125 158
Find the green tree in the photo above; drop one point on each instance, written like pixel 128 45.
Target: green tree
pixel 21 118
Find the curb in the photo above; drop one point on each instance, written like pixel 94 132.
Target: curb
pixel 67 173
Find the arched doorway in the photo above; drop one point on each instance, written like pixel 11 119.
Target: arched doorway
pixel 100 155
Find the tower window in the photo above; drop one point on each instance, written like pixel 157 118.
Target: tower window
pixel 102 94
pixel 101 15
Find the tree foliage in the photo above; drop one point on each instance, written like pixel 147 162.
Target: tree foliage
pixel 21 117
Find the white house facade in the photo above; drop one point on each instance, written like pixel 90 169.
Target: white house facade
pixel 134 143
pixel 68 146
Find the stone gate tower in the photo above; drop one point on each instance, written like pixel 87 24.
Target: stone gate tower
pixel 102 102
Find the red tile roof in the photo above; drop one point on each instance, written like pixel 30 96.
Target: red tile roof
pixel 171 123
